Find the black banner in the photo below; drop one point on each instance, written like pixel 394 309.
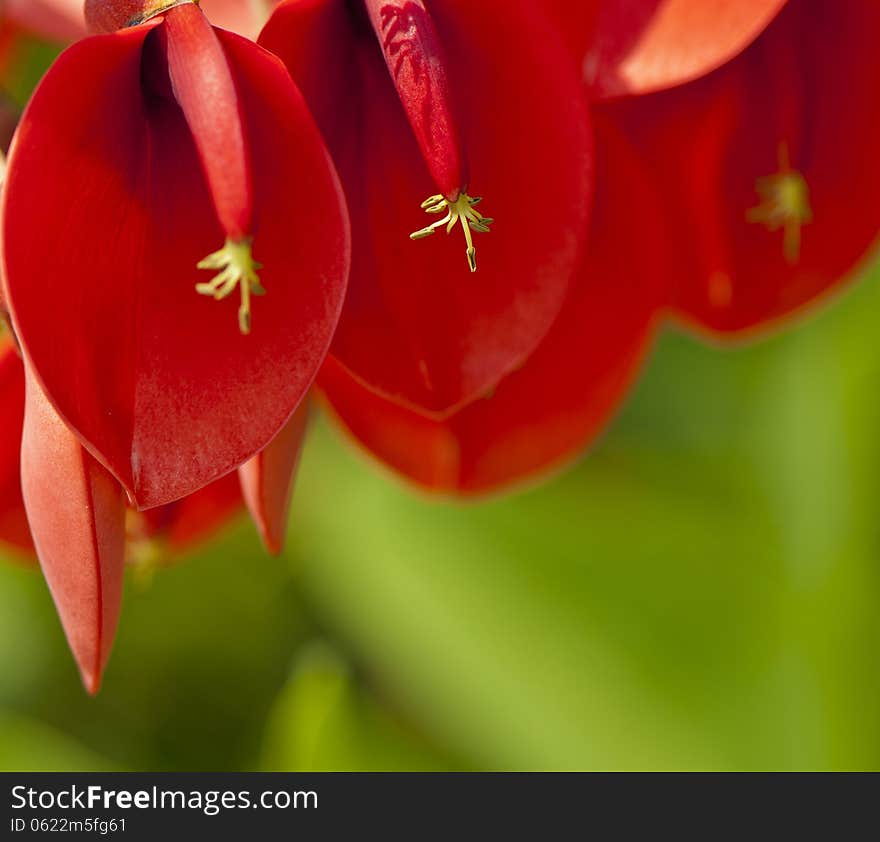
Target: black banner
pixel 135 806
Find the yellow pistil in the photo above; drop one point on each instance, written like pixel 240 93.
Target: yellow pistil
pixel 785 203
pixel 461 210
pixel 237 269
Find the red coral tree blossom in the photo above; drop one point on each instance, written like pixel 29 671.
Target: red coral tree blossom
pixel 561 396
pixel 768 168
pixel 458 102
pixel 141 152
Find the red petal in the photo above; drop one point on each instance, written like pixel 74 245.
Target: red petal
pixel 14 528
pixel 547 412
pixel 77 516
pixel 418 326
pixel 417 64
pixel 637 46
pixel 806 84
pixel 267 481
pixel 205 90
pixel 156 379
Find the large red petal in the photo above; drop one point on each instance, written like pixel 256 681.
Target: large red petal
pixel 157 380
pixel 267 481
pixel 808 84
pixel 550 410
pixel 77 517
pixel 637 46
pixel 418 326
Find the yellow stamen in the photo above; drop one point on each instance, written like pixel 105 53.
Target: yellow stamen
pixel 461 210
pixel 237 269
pixel 785 203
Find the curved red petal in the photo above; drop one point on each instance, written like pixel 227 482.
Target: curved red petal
pixel 799 97
pixel 267 481
pixel 556 404
pixel 418 326
pixel 638 46
pixel 156 379
pixel 76 512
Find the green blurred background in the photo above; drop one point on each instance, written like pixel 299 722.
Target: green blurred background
pixel 702 591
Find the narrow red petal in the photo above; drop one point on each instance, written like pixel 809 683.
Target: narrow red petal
pixel 417 64
pixel 76 512
pixel 267 481
pixel 550 410
pixel 419 327
pixel 156 379
pixel 205 90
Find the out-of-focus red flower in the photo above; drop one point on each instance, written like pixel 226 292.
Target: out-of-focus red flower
pixel 636 46
pixel 55 20
pixel 460 100
pixel 547 412
pixel 142 151
pixel 767 167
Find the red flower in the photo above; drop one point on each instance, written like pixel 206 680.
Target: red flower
pixel 766 167
pixel 553 407
pixel 139 154
pixel 82 530
pixel 460 100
